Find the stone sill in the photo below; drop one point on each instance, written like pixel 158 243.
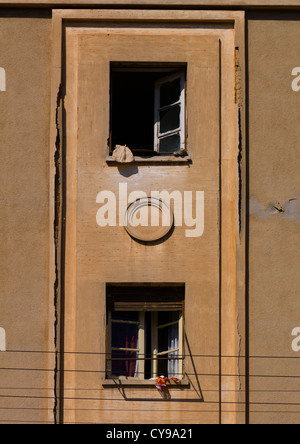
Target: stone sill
pixel 139 383
pixel 152 160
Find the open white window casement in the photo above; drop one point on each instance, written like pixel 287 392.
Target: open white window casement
pixel 167 342
pixel 169 123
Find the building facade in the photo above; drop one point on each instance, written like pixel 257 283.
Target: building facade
pixel 149 212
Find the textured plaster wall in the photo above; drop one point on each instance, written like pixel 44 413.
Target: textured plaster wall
pixel 273 189
pixel 25 50
pixel 274 192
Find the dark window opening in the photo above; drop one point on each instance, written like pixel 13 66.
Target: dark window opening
pixel 147 108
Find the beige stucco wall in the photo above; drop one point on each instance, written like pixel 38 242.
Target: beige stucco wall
pixel 273 159
pixel 274 241
pixel 25 50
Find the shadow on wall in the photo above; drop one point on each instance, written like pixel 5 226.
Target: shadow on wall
pixel 193 379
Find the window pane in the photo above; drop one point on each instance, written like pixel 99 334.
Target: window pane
pixel 169 119
pixel 165 317
pixel 162 367
pixel 168 367
pixel 173 364
pixel 124 335
pixel 168 338
pixel 124 363
pixel 170 92
pixel 169 144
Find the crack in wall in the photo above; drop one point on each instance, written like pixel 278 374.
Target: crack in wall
pixel 57 241
pixel 240 184
pixel 238 79
pixel 239 354
pixel 239 103
pixel 240 161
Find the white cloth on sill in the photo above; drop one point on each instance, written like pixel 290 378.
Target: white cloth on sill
pixel 122 154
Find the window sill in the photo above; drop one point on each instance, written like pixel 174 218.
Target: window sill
pixel 139 383
pixel 153 160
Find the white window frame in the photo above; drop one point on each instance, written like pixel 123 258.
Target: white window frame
pixel 157 109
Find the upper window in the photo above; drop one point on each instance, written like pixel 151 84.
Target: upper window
pixel 148 108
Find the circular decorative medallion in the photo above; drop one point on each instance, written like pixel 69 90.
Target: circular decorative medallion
pixel 148 219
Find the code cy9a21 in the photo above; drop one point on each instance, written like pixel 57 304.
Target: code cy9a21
pixel 171 434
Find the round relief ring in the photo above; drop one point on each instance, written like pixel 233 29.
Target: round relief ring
pixel 148 219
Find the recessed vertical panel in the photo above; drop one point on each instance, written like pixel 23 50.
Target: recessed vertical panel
pixel 107 254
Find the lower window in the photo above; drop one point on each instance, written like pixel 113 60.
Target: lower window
pixel 145 331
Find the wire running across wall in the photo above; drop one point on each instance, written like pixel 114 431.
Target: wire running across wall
pixel 182 356
pixel 33 393
pixel 146 357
